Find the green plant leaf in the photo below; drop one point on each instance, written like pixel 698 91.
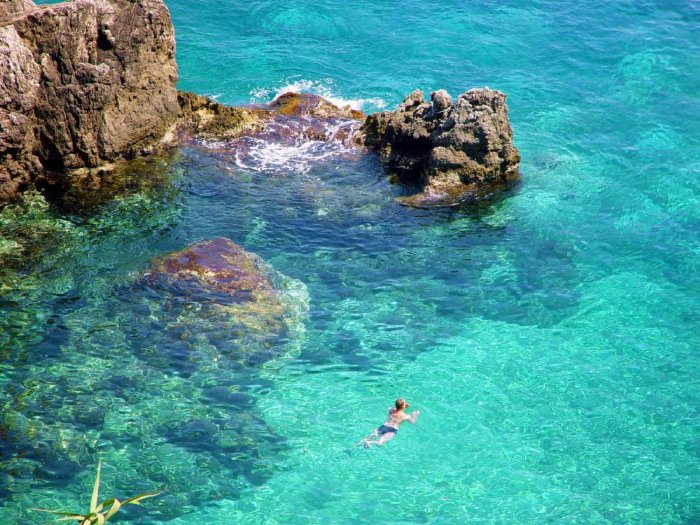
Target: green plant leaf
pixel 74 517
pixel 100 519
pixel 116 505
pixel 105 503
pixel 96 488
pixel 136 499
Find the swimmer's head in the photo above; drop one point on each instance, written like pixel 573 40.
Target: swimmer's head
pixel 401 404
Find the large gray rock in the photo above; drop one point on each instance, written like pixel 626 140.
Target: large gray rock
pixel 82 84
pixel 453 151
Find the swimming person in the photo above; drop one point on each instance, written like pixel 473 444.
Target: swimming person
pixel 391 426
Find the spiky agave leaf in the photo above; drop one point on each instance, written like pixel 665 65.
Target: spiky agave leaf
pixel 96 488
pixel 116 505
pixel 136 500
pixel 99 514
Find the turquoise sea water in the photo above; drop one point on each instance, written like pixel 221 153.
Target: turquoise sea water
pixel 549 338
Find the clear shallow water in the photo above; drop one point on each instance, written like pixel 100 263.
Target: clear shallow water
pixel 549 338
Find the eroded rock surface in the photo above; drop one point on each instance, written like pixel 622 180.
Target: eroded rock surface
pixel 83 83
pixel 455 151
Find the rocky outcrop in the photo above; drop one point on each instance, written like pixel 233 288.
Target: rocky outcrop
pixel 82 83
pixel 310 105
pixel 452 151
pixel 204 117
pixel 296 114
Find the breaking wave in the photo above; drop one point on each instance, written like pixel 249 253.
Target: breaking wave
pixel 322 88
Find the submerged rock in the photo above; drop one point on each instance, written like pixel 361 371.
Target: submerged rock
pixel 84 83
pixel 217 290
pixel 453 151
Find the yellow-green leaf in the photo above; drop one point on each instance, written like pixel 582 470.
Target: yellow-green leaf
pixel 105 503
pixel 136 499
pixel 96 489
pixel 115 507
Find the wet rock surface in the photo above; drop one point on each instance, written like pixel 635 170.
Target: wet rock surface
pixel 204 117
pixel 310 105
pixel 287 135
pixel 289 116
pixel 76 79
pixel 454 151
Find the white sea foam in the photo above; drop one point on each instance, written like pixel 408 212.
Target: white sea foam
pixel 322 88
pixel 285 146
pixel 283 154
pixel 271 156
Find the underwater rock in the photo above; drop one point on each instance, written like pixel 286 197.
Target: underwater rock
pixel 454 151
pixel 83 83
pixel 217 271
pixel 84 191
pixel 216 293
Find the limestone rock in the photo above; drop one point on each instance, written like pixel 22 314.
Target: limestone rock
pixel 310 105
pixel 82 83
pixel 205 117
pixel 9 8
pixel 454 151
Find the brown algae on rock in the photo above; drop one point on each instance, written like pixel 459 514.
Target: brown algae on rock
pixel 220 286
pixel 206 117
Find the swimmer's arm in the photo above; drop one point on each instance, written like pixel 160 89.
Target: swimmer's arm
pixel 413 417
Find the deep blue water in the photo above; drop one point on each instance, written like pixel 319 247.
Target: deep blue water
pixel 549 338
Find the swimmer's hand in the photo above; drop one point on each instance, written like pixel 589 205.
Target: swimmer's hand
pixel 414 416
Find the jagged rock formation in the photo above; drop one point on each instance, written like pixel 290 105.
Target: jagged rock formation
pixel 82 83
pixel 454 151
pixel 13 7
